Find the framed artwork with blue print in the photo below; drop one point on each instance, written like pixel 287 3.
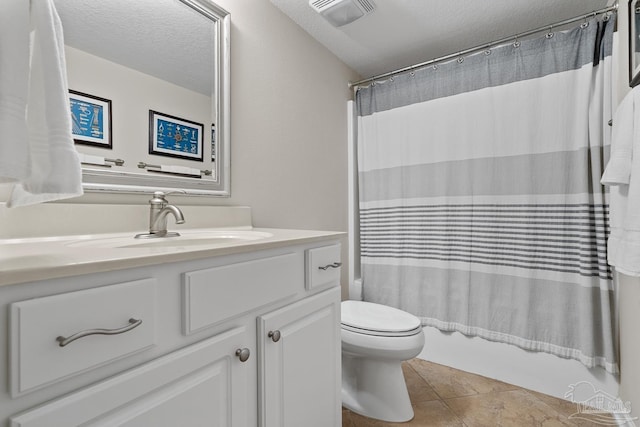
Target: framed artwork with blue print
pixel 175 137
pixel 90 119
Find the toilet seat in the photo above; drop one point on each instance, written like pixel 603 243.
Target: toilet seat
pixel 378 320
pixel 382 333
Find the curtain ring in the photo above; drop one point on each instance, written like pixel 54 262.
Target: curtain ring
pixel 607 16
pixel 461 60
pixel 516 43
pixel 585 24
pixel 550 33
pixel 434 66
pixel 487 51
pixel 412 73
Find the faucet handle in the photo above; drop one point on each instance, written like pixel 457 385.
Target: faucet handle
pixel 159 197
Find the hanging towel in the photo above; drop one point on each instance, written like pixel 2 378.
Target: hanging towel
pixel 622 175
pixel 36 146
pixel 14 86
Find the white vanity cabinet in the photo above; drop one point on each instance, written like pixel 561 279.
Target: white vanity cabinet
pixel 238 340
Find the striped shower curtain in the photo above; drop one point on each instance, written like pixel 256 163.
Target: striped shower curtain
pixel 480 204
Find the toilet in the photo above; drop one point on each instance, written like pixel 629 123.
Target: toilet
pixel 376 339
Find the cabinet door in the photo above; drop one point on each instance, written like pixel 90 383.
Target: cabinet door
pixel 204 384
pixel 299 378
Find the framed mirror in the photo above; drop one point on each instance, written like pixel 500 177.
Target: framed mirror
pixel 150 94
pixel 634 42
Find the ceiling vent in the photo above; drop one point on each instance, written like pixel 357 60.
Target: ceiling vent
pixel 342 12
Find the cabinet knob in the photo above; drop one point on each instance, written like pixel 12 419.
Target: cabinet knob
pixel 243 354
pixel 274 335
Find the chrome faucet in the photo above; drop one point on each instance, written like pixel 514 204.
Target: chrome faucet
pixel 159 209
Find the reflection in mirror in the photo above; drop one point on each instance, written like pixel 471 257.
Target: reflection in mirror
pixel 149 93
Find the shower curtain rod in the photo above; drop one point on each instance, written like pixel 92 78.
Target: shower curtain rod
pixel 483 46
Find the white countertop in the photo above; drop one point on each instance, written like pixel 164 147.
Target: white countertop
pixel 39 258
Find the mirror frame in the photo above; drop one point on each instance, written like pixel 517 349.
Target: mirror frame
pixel 634 65
pixel 113 181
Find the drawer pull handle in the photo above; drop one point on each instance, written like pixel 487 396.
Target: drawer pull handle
pixel 243 354
pixel 274 335
pixel 133 323
pixel 334 265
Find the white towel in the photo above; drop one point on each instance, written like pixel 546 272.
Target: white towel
pixel 180 169
pixel 36 148
pixel 622 175
pixel 618 170
pixel 14 87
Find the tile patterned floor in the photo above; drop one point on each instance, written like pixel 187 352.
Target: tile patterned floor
pixel 447 397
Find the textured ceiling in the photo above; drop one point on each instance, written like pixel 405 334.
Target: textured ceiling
pixel 400 33
pixel 163 38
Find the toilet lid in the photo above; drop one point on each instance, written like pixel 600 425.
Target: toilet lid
pixel 377 319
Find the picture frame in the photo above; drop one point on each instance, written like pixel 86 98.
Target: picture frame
pixel 175 137
pixel 214 151
pixel 91 119
pixel 634 42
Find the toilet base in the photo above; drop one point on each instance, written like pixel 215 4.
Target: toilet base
pixel 375 388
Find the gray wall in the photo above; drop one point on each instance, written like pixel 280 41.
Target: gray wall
pixel 289 121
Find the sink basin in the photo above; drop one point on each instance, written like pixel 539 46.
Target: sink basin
pixel 186 239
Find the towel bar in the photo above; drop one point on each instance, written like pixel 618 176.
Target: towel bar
pixel 116 162
pixel 156 168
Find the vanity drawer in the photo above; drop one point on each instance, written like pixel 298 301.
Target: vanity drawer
pixel 215 294
pixel 37 357
pixel 323 266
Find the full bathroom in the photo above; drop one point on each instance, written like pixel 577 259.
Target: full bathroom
pixel 311 213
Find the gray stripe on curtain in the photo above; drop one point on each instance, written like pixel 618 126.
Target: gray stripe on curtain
pixel 560 238
pixel 449 78
pixel 560 172
pixel 513 303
